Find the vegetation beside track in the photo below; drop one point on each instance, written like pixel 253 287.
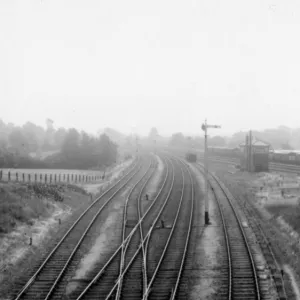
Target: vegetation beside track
pixel 23 203
pixel 54 225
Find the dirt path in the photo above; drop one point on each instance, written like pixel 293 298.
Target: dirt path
pixel 207 256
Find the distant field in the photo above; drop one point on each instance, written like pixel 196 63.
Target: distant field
pixel 61 174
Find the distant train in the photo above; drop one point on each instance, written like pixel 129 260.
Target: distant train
pixel 291 157
pixel 224 151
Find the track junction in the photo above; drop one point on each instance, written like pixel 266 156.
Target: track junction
pixel 154 253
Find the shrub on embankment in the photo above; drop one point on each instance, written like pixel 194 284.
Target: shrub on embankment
pixel 21 203
pixel 17 206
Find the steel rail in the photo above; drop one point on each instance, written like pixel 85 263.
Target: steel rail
pixel 83 236
pixel 188 236
pixel 146 239
pixel 227 248
pixel 123 251
pixel 256 223
pixel 122 274
pixel 144 265
pixel 254 273
pixel 146 294
pixel 32 279
pixel 98 275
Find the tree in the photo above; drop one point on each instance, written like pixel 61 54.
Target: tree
pixel 217 141
pixel 108 150
pixel 153 134
pixel 18 142
pixel 286 146
pixel 59 137
pixel 31 130
pixel 70 144
pixel 177 139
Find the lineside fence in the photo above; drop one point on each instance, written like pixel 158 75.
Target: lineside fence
pixel 48 178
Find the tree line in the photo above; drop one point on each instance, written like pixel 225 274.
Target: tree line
pixel 23 146
pixel 82 151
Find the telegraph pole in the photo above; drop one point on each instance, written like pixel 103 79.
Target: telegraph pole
pixel 136 143
pixel 204 128
pixel 250 151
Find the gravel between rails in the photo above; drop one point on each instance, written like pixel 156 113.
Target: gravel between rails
pixel 92 291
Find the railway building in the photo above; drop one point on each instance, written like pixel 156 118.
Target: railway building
pixel 255 157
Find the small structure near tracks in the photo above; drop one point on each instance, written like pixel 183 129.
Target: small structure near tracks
pixel 191 157
pixel 256 155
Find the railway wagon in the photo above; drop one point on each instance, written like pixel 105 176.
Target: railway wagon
pixel 291 157
pixel 191 157
pixel 224 151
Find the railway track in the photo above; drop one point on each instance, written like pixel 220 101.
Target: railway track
pixel 110 266
pixel 128 256
pixel 48 278
pixel 170 244
pixel 136 279
pixel 258 228
pixel 242 276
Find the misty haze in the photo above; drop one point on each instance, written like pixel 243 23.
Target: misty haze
pixel 149 150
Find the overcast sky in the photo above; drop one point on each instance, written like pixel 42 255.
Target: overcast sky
pixel 132 65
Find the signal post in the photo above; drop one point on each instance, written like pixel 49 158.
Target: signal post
pixel 204 127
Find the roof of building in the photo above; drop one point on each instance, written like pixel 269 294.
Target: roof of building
pixel 257 143
pixel 279 151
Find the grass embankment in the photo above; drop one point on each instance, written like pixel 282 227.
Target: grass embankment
pixel 290 214
pixel 18 205
pixel 33 218
pixel 23 203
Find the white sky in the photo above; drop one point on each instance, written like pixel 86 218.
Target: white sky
pixel 132 65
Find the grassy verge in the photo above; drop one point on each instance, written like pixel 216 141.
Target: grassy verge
pixel 23 203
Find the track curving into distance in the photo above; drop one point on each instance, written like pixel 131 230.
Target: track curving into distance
pixel 242 275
